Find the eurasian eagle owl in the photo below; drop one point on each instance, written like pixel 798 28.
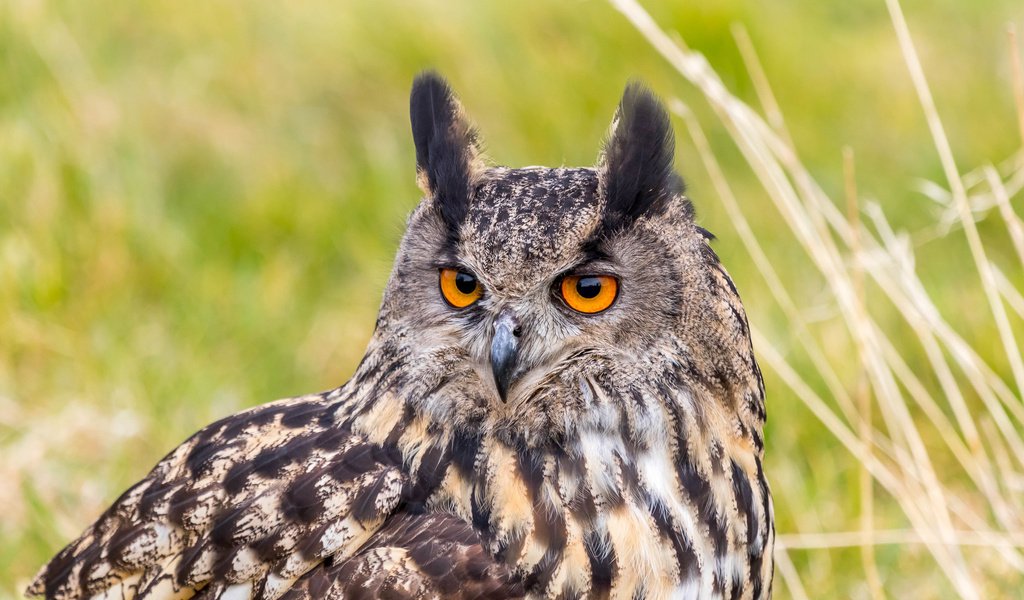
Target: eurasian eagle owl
pixel 560 400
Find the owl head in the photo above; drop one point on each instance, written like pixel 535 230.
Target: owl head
pixel 526 299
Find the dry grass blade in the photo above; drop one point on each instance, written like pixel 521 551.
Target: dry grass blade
pixel 789 574
pixel 1013 222
pixel 1017 71
pixel 864 408
pixel 760 81
pixel 1012 296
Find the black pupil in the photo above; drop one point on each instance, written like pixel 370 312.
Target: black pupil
pixel 465 283
pixel 588 287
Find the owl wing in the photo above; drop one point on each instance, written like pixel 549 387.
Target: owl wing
pixel 246 508
pixel 414 556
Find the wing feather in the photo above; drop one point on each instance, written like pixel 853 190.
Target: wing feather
pixel 256 499
pixel 414 557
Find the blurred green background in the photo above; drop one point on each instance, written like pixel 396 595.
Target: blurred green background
pixel 199 202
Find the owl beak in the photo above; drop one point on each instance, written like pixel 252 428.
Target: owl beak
pixel 504 351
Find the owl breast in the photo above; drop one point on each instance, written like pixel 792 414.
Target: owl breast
pixel 673 514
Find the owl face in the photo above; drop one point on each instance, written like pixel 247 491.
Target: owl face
pixel 522 286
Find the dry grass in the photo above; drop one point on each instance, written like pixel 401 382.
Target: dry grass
pixel 944 445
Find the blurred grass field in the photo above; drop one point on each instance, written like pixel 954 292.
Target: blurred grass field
pixel 199 202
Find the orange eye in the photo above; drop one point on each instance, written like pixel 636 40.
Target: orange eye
pixel 459 288
pixel 589 294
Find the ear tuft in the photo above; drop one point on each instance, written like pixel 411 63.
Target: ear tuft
pixel 446 146
pixel 636 165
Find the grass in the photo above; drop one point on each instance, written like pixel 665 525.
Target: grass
pixel 199 203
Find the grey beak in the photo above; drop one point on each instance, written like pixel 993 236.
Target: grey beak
pixel 504 351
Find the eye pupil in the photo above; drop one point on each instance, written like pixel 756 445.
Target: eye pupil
pixel 465 283
pixel 588 287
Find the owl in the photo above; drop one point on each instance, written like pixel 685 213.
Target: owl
pixel 559 400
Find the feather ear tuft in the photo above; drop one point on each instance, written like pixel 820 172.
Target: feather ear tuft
pixel 447 154
pixel 637 176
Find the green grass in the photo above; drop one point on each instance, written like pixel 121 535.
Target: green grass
pixel 199 203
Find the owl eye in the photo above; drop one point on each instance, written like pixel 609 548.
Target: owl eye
pixel 459 288
pixel 589 294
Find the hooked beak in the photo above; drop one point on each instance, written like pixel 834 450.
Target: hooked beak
pixel 504 351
